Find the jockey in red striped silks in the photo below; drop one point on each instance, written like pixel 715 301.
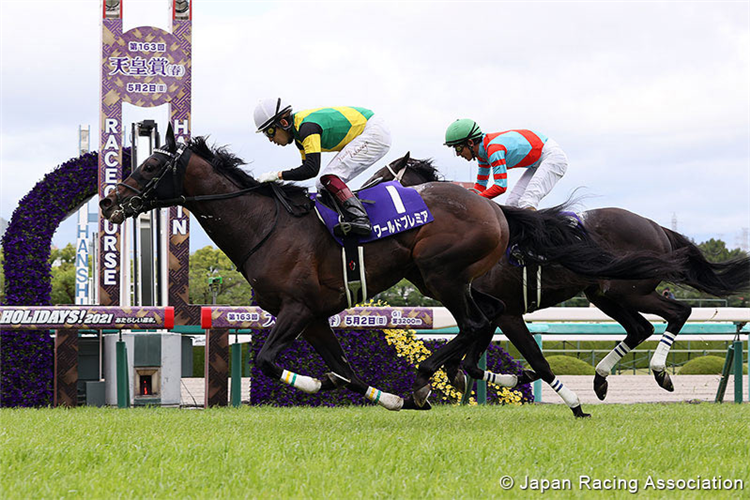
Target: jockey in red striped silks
pixel 544 161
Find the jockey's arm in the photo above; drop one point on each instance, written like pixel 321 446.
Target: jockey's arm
pixel 483 173
pixel 499 174
pixel 309 135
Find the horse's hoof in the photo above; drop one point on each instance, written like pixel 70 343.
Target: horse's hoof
pixel 600 386
pixel 460 381
pixel 409 404
pixel 578 412
pixel 421 395
pixel 664 380
pixel 527 377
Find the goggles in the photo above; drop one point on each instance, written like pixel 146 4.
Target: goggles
pixel 270 131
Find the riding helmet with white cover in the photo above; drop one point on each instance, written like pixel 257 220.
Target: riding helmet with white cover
pixel 268 111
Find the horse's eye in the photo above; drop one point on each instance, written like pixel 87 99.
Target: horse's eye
pixel 149 167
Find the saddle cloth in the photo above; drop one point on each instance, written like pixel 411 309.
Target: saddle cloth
pixel 392 209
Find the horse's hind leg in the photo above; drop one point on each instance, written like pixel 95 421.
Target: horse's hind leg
pixel 322 338
pixel 492 308
pixel 290 323
pixel 675 313
pixel 472 324
pixel 636 326
pixel 518 333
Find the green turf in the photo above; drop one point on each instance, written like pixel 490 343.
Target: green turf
pixel 349 452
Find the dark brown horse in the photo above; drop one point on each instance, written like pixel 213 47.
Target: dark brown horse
pixel 620 232
pixel 294 265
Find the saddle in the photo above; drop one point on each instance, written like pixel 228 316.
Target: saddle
pixel 392 209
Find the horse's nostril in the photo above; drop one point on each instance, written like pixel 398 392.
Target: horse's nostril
pixel 105 203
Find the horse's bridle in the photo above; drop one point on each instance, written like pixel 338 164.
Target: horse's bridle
pixel 400 175
pixel 144 199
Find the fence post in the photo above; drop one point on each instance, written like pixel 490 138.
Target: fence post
pixel 725 375
pixel 537 387
pixel 236 375
pixel 469 388
pixel 738 371
pixel 215 368
pixel 66 368
pixel 482 384
pixel 123 385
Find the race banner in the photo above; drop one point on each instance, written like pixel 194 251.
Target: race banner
pixel 357 318
pixel 85 318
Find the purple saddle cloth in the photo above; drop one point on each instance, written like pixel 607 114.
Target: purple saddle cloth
pixel 392 209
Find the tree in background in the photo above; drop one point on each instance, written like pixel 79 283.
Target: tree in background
pixel 404 293
pixel 209 262
pixel 63 262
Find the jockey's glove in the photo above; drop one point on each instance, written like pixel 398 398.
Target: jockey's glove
pixel 268 177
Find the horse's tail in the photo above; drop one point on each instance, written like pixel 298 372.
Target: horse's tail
pixel 715 278
pixel 550 236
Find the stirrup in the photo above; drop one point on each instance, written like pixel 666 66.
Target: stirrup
pixel 342 229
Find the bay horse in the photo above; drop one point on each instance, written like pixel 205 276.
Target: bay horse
pixel 293 264
pixel 619 231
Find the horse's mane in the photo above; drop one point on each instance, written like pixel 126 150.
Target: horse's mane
pixel 425 169
pixel 226 163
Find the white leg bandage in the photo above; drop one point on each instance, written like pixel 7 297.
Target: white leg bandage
pixel 503 380
pixel 384 399
pixel 303 383
pixel 566 394
pixel 659 359
pixel 610 360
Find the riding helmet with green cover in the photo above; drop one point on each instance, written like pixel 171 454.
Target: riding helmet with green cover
pixel 461 131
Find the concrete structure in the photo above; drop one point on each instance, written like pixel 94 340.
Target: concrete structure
pixel 154 368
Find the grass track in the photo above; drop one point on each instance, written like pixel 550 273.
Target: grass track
pixel 368 452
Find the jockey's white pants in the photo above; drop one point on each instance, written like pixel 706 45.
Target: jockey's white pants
pixel 539 178
pixel 361 153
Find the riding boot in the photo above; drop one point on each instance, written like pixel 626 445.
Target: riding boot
pixel 356 220
pixel 356 216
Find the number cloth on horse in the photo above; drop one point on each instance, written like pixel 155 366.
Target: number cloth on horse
pixel 391 207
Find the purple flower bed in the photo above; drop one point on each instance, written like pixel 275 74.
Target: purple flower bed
pixel 26 357
pixel 374 360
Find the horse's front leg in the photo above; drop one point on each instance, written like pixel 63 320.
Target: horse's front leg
pixel 322 338
pixel 291 321
pixel 514 327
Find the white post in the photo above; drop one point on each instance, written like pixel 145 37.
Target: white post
pixel 82 290
pixel 82 256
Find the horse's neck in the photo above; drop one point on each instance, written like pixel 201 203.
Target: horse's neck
pixel 237 224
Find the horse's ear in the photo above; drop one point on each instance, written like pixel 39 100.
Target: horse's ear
pixel 171 143
pixel 401 162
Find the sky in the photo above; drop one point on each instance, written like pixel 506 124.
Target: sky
pixel 649 100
